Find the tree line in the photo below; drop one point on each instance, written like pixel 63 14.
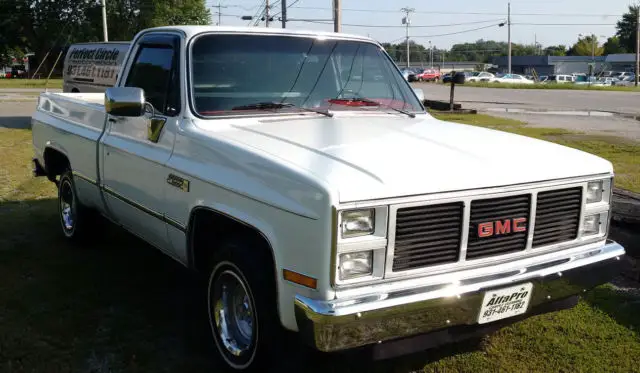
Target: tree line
pixel 42 26
pixel 623 41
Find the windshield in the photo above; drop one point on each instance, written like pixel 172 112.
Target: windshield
pixel 233 72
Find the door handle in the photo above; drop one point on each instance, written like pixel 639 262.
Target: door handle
pixel 154 128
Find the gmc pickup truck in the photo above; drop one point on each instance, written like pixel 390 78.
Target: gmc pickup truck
pixel 302 175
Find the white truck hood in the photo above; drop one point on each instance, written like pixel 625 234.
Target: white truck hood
pixel 379 156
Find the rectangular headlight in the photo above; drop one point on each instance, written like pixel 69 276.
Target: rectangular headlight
pixel 591 225
pixel 358 223
pixel 594 191
pixel 353 265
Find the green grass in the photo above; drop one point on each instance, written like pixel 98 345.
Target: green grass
pixel 30 83
pixel 551 86
pixel 624 154
pixel 118 305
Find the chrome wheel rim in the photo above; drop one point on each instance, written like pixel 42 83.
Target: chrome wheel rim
pixel 234 313
pixel 67 208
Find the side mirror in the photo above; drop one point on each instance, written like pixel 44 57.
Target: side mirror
pixel 124 101
pixel 420 93
pixel 459 78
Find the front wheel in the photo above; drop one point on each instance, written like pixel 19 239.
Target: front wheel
pixel 242 306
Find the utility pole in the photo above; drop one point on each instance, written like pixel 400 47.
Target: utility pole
pixel 431 53
pixel 337 15
pixel 104 21
pixel 407 22
pixel 637 42
pixel 283 11
pixel 219 6
pixel 266 10
pixel 509 36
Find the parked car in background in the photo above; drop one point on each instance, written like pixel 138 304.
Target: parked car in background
pixel 627 81
pixel 584 79
pixel 560 79
pixel 429 75
pixel 410 74
pixel 446 78
pixel 93 67
pixel 405 74
pixel 18 72
pixel 543 78
pixel 623 75
pixel 607 81
pixel 480 77
pixel 512 79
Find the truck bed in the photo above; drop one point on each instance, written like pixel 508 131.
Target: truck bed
pixel 70 123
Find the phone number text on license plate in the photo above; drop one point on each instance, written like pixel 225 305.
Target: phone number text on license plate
pixel 503 303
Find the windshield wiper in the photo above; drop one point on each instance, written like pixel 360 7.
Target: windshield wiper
pixel 280 105
pixel 370 102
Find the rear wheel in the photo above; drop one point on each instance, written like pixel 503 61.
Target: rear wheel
pixel 76 220
pixel 242 306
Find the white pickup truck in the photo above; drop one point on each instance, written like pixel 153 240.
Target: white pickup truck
pixel 301 173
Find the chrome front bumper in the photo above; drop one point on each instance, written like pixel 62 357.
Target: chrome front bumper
pixel 387 312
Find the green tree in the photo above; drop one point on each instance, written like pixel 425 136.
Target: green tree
pixel 586 46
pixel 44 26
pixel 613 46
pixel 626 29
pixel 555 50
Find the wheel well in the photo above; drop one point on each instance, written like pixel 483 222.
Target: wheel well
pixel 75 90
pixel 209 228
pixel 55 163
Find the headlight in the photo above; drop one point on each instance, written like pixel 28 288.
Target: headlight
pixel 594 191
pixel 353 265
pixel 591 225
pixel 358 223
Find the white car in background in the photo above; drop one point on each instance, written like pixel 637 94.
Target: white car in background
pixel 512 78
pixel 481 77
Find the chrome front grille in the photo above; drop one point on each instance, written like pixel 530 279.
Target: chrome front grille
pixel 438 234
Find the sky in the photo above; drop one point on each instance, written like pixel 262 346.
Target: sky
pixel 549 22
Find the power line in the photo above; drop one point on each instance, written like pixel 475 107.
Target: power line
pixel 469 13
pixel 456 33
pixel 402 26
pixel 563 24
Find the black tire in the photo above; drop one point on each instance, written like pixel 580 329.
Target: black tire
pixel 245 261
pixel 76 220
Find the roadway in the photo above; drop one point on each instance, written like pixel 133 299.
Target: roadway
pixel 594 112
pixel 536 99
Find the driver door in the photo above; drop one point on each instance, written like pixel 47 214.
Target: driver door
pixel 136 149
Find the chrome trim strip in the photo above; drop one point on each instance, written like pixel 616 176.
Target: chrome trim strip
pixel 144 209
pixel 464 240
pixel 83 177
pixel 533 208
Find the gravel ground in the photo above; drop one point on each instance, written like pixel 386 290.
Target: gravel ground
pixel 16 114
pixel 612 125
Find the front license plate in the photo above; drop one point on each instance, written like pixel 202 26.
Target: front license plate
pixel 503 303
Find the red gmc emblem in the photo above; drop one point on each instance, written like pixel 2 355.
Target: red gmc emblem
pixel 502 227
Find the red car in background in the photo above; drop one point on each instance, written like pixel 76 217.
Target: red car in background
pixel 429 75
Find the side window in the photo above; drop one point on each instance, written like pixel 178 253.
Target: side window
pixel 153 70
